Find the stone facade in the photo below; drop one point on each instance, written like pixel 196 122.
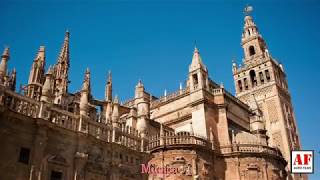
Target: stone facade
pixel 201 131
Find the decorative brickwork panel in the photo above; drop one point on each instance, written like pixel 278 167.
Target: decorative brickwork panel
pixel 272 111
pixel 277 140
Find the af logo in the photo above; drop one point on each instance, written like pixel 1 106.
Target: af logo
pixel 302 162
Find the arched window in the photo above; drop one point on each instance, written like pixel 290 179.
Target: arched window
pixel 240 85
pixel 253 78
pixel 245 84
pixel 261 77
pixel 195 80
pixel 267 75
pixel 251 51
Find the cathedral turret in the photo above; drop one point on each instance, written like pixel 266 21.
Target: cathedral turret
pixel 13 79
pixel 115 112
pixel 36 76
pixel 108 90
pixel 61 71
pixel 142 104
pixel 198 73
pixel 46 94
pixel 3 65
pixel 85 92
pixel 108 112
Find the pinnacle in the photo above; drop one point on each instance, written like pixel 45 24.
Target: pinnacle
pixel 6 52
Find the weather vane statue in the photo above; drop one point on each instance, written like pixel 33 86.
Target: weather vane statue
pixel 247 10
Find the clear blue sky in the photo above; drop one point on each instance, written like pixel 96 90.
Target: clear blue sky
pixel 153 40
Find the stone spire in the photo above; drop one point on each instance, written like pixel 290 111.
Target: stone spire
pixel 108 90
pixel 64 53
pixel 115 112
pixel 139 90
pixel 37 68
pixel 3 65
pixel 36 76
pixel 86 81
pixel 46 94
pixel 84 94
pixel 198 73
pixel 197 61
pixel 13 79
pixel 61 71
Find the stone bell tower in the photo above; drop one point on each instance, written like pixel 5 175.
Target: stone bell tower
pixel 264 78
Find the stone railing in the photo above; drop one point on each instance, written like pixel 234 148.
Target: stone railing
pixel 172 139
pixel 170 96
pixel 19 103
pixel 249 148
pixel 124 135
pixel 95 127
pixel 217 91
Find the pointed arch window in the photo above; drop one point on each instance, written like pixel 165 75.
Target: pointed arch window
pixel 261 77
pixel 240 85
pixel 267 75
pixel 253 78
pixel 252 51
pixel 245 83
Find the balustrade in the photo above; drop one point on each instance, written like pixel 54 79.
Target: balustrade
pixel 94 126
pixel 177 139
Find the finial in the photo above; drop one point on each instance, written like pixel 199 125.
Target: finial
pixel 109 76
pixel 234 59
pixel 6 51
pixel 196 50
pixel 50 70
pixel 221 85
pixel 42 48
pixel 116 99
pixel 247 10
pixel 139 83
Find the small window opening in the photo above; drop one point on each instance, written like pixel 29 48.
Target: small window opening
pixel 195 80
pixel 253 78
pixel 56 175
pixel 240 85
pixel 267 75
pixel 24 155
pixel 261 77
pixel 246 83
pixel 251 51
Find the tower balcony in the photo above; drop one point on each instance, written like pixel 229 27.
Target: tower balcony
pixel 181 140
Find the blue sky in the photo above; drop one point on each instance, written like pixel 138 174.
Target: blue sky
pixel 154 40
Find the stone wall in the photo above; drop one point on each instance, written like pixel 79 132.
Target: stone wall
pixel 55 151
